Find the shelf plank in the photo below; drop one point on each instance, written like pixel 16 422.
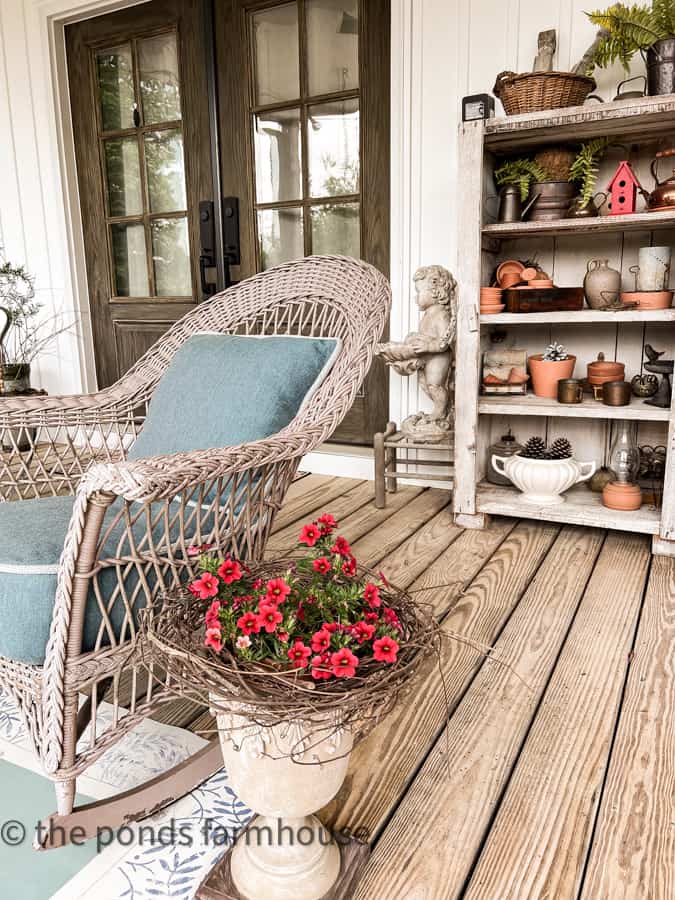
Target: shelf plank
pixel 642 221
pixel 642 118
pixel 580 317
pixel 581 507
pixel 589 409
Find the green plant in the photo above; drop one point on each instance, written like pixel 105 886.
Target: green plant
pixel 521 172
pixel 584 169
pixel 625 30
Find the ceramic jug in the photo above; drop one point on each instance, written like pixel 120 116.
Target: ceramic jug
pixel 600 283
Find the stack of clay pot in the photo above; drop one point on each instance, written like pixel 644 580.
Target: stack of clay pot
pixel 601 371
pixel 490 300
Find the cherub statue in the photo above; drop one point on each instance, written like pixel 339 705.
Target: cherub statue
pixel 430 352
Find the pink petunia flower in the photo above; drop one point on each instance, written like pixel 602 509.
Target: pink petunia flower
pixel 248 623
pixel 320 641
pixel 243 642
pixel 344 663
pixel 230 571
pixel 385 649
pixel 321 565
pixel 363 631
pixel 213 639
pixel 391 618
pixel 321 668
pixel 269 617
pixel 205 587
pixel 349 567
pixel 299 655
pixel 309 535
pixel 371 594
pixel 327 524
pixel 212 616
pixel 277 590
pixel 341 548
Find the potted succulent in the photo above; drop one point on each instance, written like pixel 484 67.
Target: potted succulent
pixel 627 30
pixel 299 658
pixel 544 473
pixel 548 368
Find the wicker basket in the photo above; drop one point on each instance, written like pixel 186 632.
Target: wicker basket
pixel 536 91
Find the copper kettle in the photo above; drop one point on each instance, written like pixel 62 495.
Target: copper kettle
pixel 663 195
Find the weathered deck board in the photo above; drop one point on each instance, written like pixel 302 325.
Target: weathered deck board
pixel 319 492
pixel 633 852
pixel 446 813
pixel 383 765
pixel 539 840
pixel 407 562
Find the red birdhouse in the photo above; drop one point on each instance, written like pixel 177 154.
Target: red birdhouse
pixel 622 190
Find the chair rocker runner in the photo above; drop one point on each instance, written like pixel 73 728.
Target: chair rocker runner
pixel 108 498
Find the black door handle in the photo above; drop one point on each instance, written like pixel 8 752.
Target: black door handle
pixel 206 262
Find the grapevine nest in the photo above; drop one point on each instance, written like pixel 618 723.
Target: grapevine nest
pixel 173 642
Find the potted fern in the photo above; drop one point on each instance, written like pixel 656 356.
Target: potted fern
pixel 515 177
pixel 627 30
pixel 583 173
pixel 547 368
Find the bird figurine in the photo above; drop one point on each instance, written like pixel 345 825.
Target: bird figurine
pixel 652 354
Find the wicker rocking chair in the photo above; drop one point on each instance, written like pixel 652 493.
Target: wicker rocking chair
pixel 131 524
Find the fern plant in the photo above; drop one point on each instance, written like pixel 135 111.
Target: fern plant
pixel 521 172
pixel 584 169
pixel 625 30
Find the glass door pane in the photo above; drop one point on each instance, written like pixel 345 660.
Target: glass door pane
pixel 332 45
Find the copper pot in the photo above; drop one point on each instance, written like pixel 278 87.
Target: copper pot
pixel 663 195
pixel 602 370
pixel 616 393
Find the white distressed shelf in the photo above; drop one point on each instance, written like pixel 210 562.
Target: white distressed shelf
pixel 638 119
pixel 581 507
pixel 529 405
pixel 580 317
pixel 642 221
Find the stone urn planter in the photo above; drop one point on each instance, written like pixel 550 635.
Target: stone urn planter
pixel 284 772
pixel 543 481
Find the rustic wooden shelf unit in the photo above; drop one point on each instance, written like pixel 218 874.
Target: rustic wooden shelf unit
pixel 482 242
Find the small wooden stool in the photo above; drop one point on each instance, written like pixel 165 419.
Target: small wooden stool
pixel 387 472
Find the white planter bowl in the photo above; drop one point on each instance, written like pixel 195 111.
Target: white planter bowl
pixel 542 481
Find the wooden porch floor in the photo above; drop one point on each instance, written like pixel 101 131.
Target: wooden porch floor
pixel 554 775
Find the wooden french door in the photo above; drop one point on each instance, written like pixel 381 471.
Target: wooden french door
pixel 292 130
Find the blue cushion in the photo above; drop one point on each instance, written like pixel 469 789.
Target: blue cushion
pixel 225 389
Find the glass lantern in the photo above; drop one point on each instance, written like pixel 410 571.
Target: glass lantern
pixel 624 456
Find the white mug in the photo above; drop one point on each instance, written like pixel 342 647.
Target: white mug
pixel 654 268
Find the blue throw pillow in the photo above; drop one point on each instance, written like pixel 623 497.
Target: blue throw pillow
pixel 222 389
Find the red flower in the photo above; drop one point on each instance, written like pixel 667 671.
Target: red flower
pixel 321 667
pixel 349 566
pixel 391 618
pixel 327 523
pixel 330 627
pixel 309 535
pixel 269 617
pixel 257 584
pixel 230 571
pixel 277 590
pixel 320 641
pixel 213 639
pixel 238 602
pixel 205 587
pixel 249 623
pixel 371 616
pixel 300 612
pixel 371 595
pixel 212 616
pixel 283 636
pixel 299 655
pixel 321 565
pixel 385 649
pixel 363 632
pixel 344 663
pixel 198 549
pixel 341 548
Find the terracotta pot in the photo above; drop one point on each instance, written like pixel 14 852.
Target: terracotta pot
pixel 601 371
pixel 649 299
pixel 542 481
pixel 627 497
pixel 492 310
pixel 510 279
pixel 546 374
pixel 284 772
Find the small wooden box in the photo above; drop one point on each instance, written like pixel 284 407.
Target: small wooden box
pixel 531 300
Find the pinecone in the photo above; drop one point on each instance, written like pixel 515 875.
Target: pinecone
pixel 555 353
pixel 560 449
pixel 535 448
